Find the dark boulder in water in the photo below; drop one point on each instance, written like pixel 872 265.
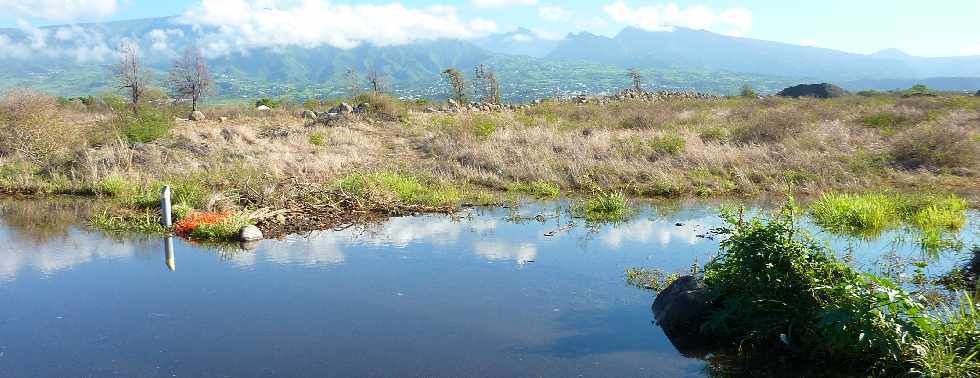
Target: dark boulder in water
pixel 822 90
pixel 679 310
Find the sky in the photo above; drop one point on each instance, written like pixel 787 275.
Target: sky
pixel 923 28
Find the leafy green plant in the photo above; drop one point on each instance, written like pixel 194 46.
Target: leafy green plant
pixel 316 139
pixel 604 207
pixel 150 125
pixel 538 189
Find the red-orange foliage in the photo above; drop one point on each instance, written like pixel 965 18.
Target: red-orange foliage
pixel 185 226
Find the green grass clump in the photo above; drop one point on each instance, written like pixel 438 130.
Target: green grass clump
pixel 871 214
pixel 604 207
pixel 413 190
pixel 316 139
pixel 667 144
pixel 484 127
pixel 224 230
pixel 537 189
pixel 144 221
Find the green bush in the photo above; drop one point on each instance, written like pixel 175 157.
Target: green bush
pixel 224 230
pixel 776 290
pixel 316 139
pixel 667 144
pixel 271 103
pixel 151 124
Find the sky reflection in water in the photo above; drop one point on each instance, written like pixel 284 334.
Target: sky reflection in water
pixel 430 295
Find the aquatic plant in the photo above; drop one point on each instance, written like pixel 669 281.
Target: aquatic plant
pixel 776 289
pixel 870 214
pixel 604 207
pixel 650 278
pixel 538 189
pixel 143 221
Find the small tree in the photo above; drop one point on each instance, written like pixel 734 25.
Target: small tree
pixel 377 80
pixel 190 77
pixel 747 91
pixel 636 78
pixel 486 84
pixel 353 82
pixel 131 75
pixel 457 83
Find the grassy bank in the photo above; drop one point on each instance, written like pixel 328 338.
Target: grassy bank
pixel 244 159
pixel 779 298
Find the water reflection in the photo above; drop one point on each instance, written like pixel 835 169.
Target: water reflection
pixel 168 253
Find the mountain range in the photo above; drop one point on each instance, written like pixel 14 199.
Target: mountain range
pixel 75 60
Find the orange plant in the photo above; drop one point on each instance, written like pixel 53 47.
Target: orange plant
pixel 186 225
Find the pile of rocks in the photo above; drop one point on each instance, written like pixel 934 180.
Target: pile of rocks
pixel 455 107
pixel 635 95
pixel 334 113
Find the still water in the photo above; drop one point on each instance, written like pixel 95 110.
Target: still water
pixel 487 293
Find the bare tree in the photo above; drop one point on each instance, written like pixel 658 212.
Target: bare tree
pixel 637 79
pixel 131 75
pixel 457 83
pixel 377 80
pixel 353 82
pixel 190 78
pixel 486 84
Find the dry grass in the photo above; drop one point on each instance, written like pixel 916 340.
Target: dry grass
pixel 676 147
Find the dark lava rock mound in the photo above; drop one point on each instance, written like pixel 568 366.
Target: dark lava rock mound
pixel 822 90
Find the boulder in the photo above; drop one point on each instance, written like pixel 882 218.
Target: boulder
pixel 362 108
pixel 222 119
pixel 453 104
pixel 430 110
pixel 822 90
pixel 196 116
pixel 679 310
pixel 262 108
pixel 345 108
pixel 249 233
pixel 308 114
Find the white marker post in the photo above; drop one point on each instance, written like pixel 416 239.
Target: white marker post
pixel 165 207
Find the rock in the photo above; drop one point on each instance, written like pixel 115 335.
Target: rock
pixel 453 104
pixel 822 90
pixel 196 116
pixel 249 233
pixel 430 110
pixel 262 108
pixel 679 310
pixel 345 108
pixel 362 108
pixel 977 94
pixel 222 119
pixel 308 114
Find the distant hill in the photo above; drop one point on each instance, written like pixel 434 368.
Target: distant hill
pixel 75 60
pixel 634 47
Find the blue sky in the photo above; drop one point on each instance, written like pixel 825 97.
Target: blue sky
pixel 927 28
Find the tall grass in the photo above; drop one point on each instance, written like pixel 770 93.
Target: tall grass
pixel 871 214
pixel 604 207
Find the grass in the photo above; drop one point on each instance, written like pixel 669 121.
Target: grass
pixel 870 214
pixel 316 139
pixel 226 229
pixel 146 222
pixel 604 207
pixel 537 189
pixel 775 291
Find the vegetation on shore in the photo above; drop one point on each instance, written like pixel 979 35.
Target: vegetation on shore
pixel 775 291
pixel 239 157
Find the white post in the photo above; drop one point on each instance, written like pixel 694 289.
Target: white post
pixel 165 207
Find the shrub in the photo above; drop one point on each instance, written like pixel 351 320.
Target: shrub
pixel 151 124
pixel 775 289
pixel 771 125
pixel 716 134
pixel 484 127
pixel 748 92
pixel 316 139
pixel 667 144
pixel 31 125
pixel 935 146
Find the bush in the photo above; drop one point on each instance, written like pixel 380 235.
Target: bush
pixel 151 124
pixel 748 92
pixel 771 125
pixel 316 139
pixel 31 125
pixel 937 147
pixel 776 290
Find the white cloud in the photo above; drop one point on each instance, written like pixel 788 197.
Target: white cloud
pixel 160 38
pixel 808 42
pixel 664 17
pixel 502 3
pixel 239 25
pixel 60 10
pixel 72 42
pixel 553 13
